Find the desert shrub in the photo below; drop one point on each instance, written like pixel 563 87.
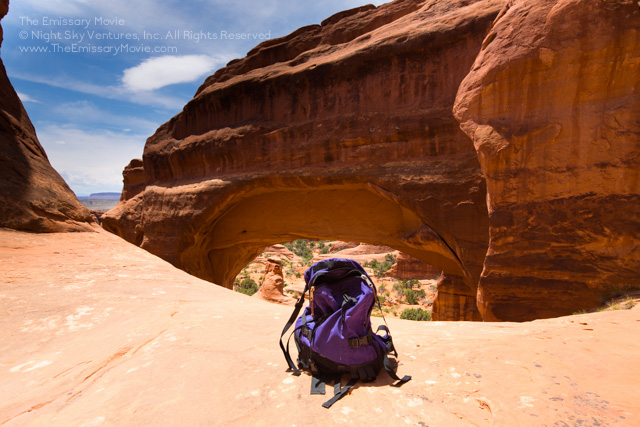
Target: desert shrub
pixel 415 314
pixel 401 285
pixel 302 248
pixel 247 286
pixel 413 296
pixel 381 268
pixel 398 288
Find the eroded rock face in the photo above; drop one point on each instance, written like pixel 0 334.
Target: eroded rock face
pixel 133 179
pixel 552 106
pixel 278 252
pixel 338 131
pixel 33 196
pixel 272 287
pixel 407 267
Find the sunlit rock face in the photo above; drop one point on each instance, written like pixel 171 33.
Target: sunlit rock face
pixel 33 196
pixel 133 179
pixel 553 105
pixel 342 130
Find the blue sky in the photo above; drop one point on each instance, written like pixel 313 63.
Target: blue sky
pixel 98 77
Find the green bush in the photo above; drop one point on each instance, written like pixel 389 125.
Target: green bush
pixel 247 286
pixel 402 285
pixel 413 296
pixel 302 248
pixel 415 314
pixel 381 268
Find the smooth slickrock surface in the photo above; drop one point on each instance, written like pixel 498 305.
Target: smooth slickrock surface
pixel 342 130
pixel 552 105
pixel 96 331
pixel 33 196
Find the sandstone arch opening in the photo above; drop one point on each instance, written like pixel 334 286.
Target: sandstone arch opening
pixel 236 234
pixel 407 287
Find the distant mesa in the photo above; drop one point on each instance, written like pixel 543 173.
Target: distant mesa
pixel 101 196
pixel 99 203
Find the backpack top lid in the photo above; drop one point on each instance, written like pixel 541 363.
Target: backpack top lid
pixel 332 267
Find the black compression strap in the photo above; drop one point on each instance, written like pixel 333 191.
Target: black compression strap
pixel 317 385
pixel 343 391
pixel 392 374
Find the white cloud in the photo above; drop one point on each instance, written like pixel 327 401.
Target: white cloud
pixel 89 114
pixel 119 93
pixel 90 161
pixel 26 98
pixel 155 73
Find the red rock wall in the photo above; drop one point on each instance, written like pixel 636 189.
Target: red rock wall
pixel 552 105
pixel 133 180
pixel 407 267
pixel 33 196
pixel 338 131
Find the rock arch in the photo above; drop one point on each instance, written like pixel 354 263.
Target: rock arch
pixel 340 130
pixel 236 234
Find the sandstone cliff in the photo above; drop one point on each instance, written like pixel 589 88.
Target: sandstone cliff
pixel 133 179
pixel 342 130
pixel 552 105
pixel 33 196
pixel 407 268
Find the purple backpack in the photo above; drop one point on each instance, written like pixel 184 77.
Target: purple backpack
pixel 334 335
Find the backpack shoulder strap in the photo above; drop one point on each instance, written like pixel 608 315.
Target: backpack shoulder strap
pixel 289 323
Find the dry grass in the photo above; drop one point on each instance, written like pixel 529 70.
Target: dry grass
pixel 624 303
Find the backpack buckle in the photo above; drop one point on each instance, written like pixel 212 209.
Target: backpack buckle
pixel 360 342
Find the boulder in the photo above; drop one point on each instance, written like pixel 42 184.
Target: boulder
pixel 552 105
pixel 278 252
